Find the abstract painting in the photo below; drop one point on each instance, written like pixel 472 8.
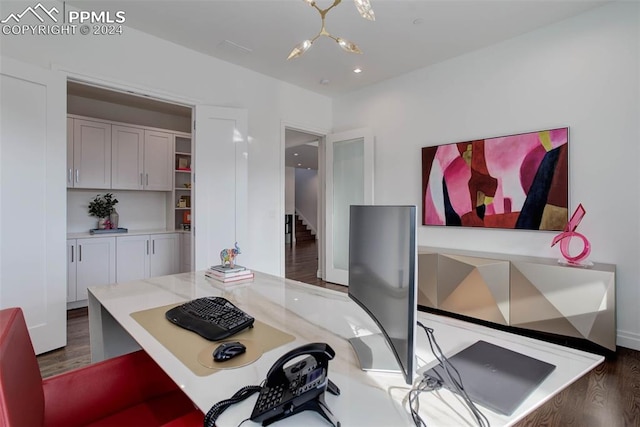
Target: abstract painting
pixel 516 182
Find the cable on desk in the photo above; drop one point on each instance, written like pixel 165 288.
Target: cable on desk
pixel 217 409
pixel 429 383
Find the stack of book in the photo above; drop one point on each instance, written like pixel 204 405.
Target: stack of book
pixel 226 274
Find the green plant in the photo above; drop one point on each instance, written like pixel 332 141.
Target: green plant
pixel 102 206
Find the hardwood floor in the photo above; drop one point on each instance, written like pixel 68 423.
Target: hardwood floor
pixel 608 396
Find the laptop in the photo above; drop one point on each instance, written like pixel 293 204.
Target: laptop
pixel 495 377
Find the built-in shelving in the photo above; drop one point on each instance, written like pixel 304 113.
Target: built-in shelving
pixel 183 182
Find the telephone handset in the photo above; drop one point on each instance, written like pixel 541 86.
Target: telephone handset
pixel 298 386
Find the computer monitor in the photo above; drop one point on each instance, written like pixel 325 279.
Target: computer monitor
pixel 383 281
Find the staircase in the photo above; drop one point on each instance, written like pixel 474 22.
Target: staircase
pixel 302 232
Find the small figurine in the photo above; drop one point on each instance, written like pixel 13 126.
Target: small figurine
pixel 228 256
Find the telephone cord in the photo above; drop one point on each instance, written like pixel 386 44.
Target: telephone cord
pixel 218 408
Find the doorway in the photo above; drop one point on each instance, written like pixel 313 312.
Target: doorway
pixel 303 224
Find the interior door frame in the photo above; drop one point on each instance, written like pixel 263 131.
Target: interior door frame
pixel 321 133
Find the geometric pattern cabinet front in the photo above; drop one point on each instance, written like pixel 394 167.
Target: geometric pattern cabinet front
pixel 525 292
pixel 563 300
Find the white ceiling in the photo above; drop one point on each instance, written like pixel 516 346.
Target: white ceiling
pixel 407 34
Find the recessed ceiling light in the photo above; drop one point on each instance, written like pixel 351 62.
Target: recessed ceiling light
pixel 357 70
pixel 299 164
pixel 308 169
pixel 418 21
pixel 324 82
pixel 295 154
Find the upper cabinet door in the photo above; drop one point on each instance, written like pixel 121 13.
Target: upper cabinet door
pixel 127 160
pixel 158 160
pixel 91 154
pixel 70 170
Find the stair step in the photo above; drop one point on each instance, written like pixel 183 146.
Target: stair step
pixel 302 232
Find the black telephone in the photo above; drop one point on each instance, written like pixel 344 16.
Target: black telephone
pixel 298 387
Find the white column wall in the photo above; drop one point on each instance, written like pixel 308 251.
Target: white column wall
pixel 307 194
pixel 143 61
pixel 583 73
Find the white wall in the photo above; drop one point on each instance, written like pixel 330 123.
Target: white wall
pixel 143 61
pixel 307 196
pixel 582 73
pixel 290 190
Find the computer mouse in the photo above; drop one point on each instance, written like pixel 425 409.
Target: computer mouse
pixel 228 350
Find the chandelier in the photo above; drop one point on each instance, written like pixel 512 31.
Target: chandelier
pixel 364 8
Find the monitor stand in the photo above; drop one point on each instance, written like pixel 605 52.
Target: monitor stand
pixel 374 353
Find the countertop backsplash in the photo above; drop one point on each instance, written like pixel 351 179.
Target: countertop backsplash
pixel 141 210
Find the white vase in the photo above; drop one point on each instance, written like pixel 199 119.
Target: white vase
pixel 114 217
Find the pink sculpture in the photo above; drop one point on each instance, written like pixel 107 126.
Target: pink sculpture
pixel 565 239
pixel 228 256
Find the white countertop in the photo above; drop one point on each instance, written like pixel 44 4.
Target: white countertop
pixel 314 314
pixel 87 234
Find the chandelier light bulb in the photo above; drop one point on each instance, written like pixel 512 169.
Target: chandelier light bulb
pixel 365 10
pixel 300 49
pixel 348 46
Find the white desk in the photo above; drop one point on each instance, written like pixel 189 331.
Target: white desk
pixel 314 314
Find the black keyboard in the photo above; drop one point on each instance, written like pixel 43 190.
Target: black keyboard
pixel 213 318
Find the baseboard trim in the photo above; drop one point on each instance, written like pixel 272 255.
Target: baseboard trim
pixel 628 340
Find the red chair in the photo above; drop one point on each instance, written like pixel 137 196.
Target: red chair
pixel 125 391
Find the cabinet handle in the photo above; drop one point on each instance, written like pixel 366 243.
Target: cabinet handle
pixel 141 179
pixel 71 249
pixel 153 244
pixel 70 180
pixel 77 175
pixel 79 253
pixel 147 179
pixel 147 247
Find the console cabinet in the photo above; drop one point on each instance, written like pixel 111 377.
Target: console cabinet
pixel 537 294
pixel 90 262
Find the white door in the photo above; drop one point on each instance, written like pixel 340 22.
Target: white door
pixel 349 181
pixel 33 199
pixel 220 184
pixel 164 255
pixel 132 258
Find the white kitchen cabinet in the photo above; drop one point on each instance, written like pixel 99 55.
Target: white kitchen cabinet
pixel 91 261
pixel 127 158
pixel 164 254
pixel 143 256
pixel 70 170
pixel 158 160
pixel 91 166
pixel 142 159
